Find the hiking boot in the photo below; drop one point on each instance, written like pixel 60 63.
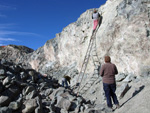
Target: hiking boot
pixel 118 106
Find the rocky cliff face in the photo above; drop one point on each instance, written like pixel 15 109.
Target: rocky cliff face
pixel 123 34
pixel 16 54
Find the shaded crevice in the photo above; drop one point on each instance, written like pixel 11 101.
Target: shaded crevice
pixel 148 33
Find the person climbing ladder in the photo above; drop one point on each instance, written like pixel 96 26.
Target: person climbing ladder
pixel 96 17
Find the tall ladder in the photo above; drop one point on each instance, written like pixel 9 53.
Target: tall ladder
pixel 91 49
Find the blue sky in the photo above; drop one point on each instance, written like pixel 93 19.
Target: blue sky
pixel 32 22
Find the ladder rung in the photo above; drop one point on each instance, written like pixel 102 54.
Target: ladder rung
pixel 94 55
pixel 91 48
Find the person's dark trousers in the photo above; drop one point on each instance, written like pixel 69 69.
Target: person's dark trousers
pixel 64 83
pixel 110 93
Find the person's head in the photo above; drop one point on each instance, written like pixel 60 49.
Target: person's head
pixel 107 59
pixel 95 11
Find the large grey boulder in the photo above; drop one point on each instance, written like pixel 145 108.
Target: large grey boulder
pixel 63 103
pixel 4 100
pixel 30 106
pixel 57 92
pixel 122 90
pixel 14 105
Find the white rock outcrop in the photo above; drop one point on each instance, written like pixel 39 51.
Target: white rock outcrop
pixel 124 35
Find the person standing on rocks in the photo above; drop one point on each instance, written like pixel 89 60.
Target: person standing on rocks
pixel 65 79
pixel 32 73
pixel 96 18
pixel 108 72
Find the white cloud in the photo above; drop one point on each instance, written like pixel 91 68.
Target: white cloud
pixel 6 33
pixel 7 39
pixel 3 41
pixel 2 44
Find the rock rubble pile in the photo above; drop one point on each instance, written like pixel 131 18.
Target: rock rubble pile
pixel 27 91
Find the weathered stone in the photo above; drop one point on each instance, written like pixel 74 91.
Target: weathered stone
pixel 28 89
pixel 30 106
pixel 87 106
pixel 123 89
pixel 145 71
pixel 120 77
pixel 48 91
pixel 4 100
pixel 80 100
pixel 5 110
pixel 100 107
pixel 68 96
pixel 6 81
pixel 23 75
pixel 74 106
pixel 39 109
pixel 77 109
pixel 57 92
pixel 129 78
pixel 2 72
pixel 63 111
pixel 63 103
pixel 13 91
pixel 2 77
pixel 31 95
pixel 14 105
pixel 3 61
pixel 92 110
pixel 8 95
pixel 31 73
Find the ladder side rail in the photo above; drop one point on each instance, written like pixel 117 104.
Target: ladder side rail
pixel 85 68
pixel 93 74
pixel 91 83
pixel 91 43
pixel 92 38
pixel 84 59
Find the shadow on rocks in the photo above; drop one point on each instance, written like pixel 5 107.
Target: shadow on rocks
pixel 134 94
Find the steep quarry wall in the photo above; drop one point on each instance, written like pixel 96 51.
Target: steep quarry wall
pixel 123 34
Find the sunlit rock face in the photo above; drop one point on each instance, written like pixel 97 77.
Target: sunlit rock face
pixel 124 35
pixel 16 54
